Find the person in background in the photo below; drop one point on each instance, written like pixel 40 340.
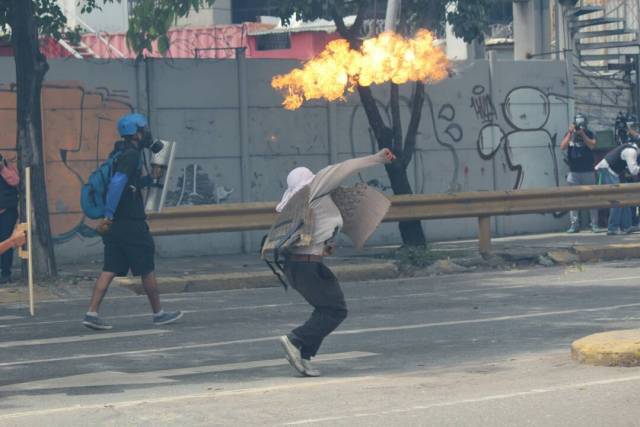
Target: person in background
pixel 9 181
pixel 617 163
pixel 579 143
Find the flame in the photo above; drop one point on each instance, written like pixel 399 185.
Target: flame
pixel 339 69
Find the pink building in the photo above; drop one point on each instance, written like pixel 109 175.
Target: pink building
pixel 259 40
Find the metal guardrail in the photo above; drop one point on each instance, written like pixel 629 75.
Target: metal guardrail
pixel 480 204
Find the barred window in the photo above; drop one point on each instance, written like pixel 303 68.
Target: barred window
pixel 273 41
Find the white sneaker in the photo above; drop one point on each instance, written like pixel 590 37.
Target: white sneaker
pixel 292 353
pixel 309 370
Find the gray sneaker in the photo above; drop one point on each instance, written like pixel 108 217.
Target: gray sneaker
pixel 95 323
pixel 573 229
pixel 292 354
pixel 167 317
pixel 309 370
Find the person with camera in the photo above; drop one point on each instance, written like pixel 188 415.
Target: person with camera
pixel 579 143
pixel 9 181
pixel 620 165
pixel 128 245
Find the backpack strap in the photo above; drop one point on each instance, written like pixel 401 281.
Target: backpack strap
pixel 276 264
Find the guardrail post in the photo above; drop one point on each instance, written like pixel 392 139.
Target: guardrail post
pixel 484 235
pixel 243 107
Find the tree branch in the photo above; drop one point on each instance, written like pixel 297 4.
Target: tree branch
pixel 382 132
pixel 340 25
pixel 396 124
pixel 417 102
pixel 357 24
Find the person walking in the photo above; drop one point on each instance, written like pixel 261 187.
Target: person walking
pixel 314 198
pixel 128 245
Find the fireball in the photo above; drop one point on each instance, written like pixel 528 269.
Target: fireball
pixel 338 69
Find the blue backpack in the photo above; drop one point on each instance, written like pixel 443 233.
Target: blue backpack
pixel 94 191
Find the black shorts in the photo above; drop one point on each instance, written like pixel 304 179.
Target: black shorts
pixel 129 246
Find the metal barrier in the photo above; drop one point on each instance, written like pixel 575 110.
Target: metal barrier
pixel 480 204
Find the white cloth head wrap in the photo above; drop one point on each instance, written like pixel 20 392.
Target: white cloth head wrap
pixel 296 180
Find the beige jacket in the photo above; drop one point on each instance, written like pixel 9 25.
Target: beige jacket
pixel 315 215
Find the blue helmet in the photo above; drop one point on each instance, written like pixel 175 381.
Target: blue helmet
pixel 129 124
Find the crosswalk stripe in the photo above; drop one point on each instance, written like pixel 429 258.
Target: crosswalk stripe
pixel 80 338
pixel 115 378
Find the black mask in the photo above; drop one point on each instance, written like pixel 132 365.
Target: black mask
pixel 148 142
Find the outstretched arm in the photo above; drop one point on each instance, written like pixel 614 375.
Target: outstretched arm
pixel 330 178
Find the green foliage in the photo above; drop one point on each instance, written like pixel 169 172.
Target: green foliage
pixel 468 17
pixel 150 20
pixel 74 35
pixel 50 19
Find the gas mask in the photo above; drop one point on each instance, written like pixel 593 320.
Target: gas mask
pixel 148 142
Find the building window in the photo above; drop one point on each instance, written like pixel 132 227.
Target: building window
pixel 273 41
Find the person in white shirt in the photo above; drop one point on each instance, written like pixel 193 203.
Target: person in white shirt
pixel 615 164
pixel 304 267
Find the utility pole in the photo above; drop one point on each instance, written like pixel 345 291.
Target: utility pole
pixel 393 8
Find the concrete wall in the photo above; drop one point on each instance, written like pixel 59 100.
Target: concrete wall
pixel 602 98
pixel 490 126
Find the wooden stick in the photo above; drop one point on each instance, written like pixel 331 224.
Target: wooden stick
pixel 27 172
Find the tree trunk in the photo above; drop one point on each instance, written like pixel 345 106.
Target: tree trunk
pixel 390 137
pixel 411 231
pixel 31 67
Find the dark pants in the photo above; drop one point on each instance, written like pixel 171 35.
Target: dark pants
pixel 7 223
pixel 317 284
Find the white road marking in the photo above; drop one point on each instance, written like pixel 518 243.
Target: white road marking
pixel 111 378
pixel 344 332
pixel 297 385
pixel 276 305
pixel 488 319
pixel 482 399
pixel 312 384
pixel 80 338
pixel 11 317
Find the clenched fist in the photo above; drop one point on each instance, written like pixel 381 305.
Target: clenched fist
pixel 104 226
pixel 388 155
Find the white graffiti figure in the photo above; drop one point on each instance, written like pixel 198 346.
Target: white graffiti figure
pixel 529 148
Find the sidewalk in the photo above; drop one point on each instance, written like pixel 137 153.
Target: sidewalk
pixel 223 272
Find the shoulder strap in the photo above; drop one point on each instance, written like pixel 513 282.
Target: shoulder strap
pixel 273 265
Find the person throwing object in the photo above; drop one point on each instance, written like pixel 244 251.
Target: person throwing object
pixel 312 211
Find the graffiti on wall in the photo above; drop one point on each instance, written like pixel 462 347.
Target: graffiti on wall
pixel 79 129
pixel 529 148
pixel 446 131
pixel 196 187
pixel 519 128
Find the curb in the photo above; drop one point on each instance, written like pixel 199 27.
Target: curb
pixel 253 280
pixel 613 348
pixel 608 252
